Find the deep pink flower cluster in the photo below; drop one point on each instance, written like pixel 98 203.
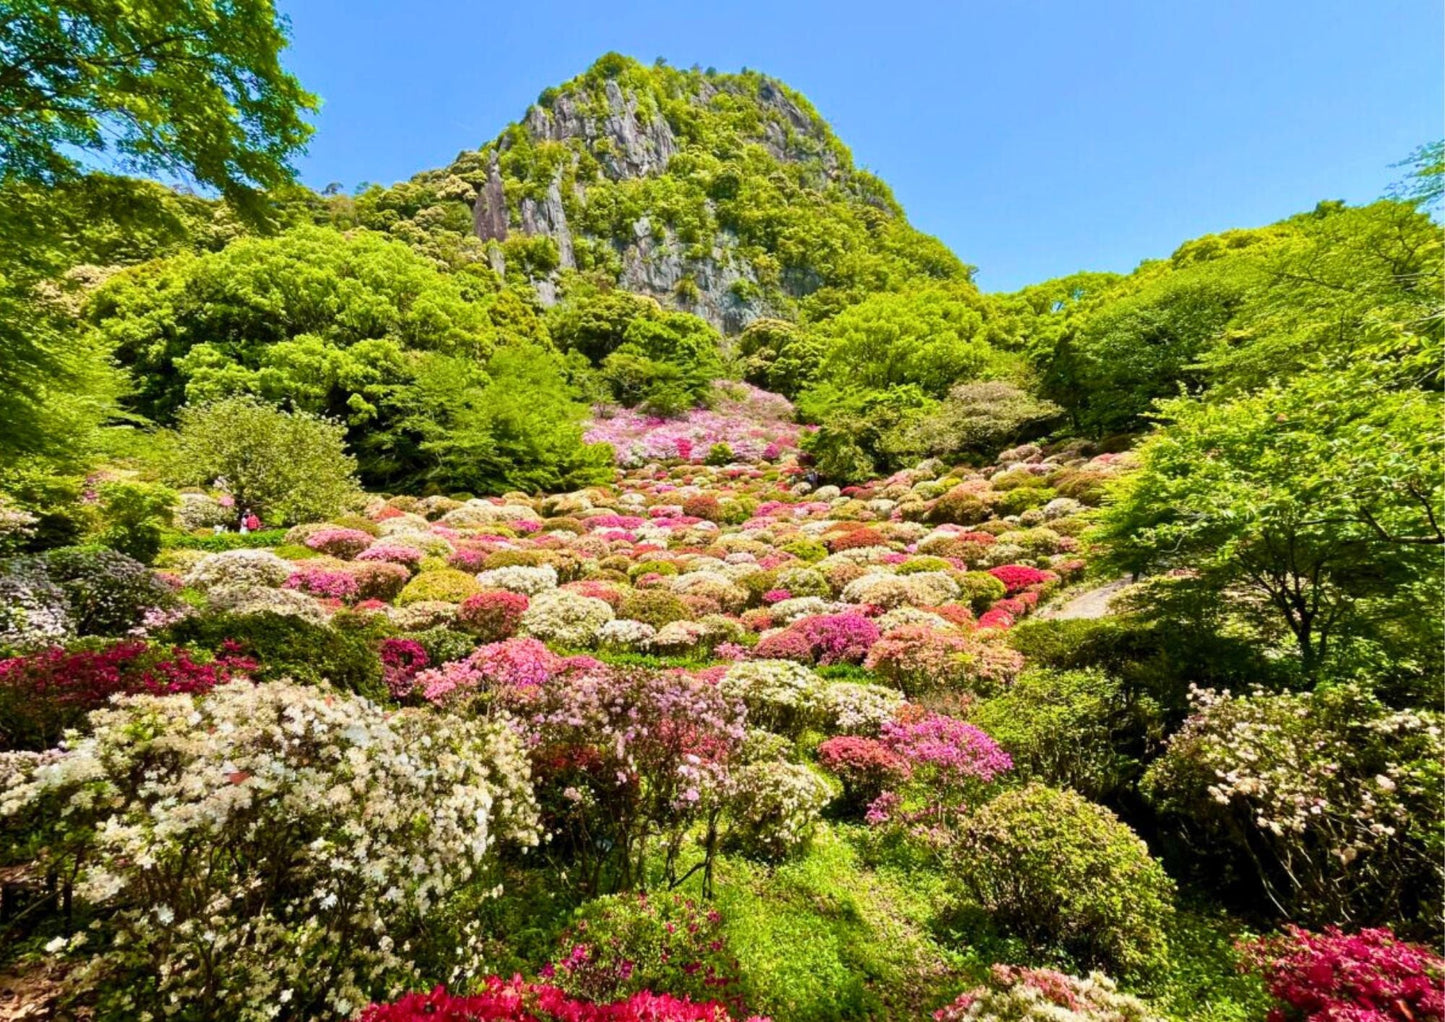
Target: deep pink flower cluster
pixel 343 543
pixel 1018 577
pixel 323 582
pixel 43 694
pixel 515 1000
pixel 1369 976
pixel 865 766
pixel 492 615
pixel 956 751
pixel 401 661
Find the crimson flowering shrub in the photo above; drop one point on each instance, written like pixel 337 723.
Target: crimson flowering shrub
pixel 1018 577
pixel 343 543
pixel 46 693
pixel 920 658
pixel 514 1000
pixel 855 538
pixel 866 766
pixel 394 553
pixel 785 644
pixel 492 615
pixel 826 638
pixel 626 943
pixel 1369 976
pixel 401 661
pixel 626 763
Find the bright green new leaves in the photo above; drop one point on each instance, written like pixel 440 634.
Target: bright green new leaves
pixel 1313 505
pixel 332 324
pixel 286 467
pixel 177 87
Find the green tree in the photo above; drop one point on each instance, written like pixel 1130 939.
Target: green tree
pixel 178 87
pixel 287 467
pixel 1313 505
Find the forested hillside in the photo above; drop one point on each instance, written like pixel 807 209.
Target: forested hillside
pixel 634 573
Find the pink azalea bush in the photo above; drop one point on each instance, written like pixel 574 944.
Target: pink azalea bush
pixel 336 542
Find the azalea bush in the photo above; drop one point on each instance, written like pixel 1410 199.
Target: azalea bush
pixel 1328 801
pixel 236 879
pixel 513 1000
pixel 44 694
pixel 662 942
pixel 1332 976
pixel 1014 994
pixel 1058 871
pixel 628 763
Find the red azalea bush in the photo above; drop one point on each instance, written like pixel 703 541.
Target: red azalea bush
pixel 785 644
pixel 43 694
pixel 855 539
pixel 1017 577
pixel 492 615
pixel 1333 976
pixel 517 1001
pixel 866 767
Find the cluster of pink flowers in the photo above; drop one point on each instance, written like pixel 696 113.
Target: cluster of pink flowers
pixel 392 553
pixel 822 639
pixel 956 751
pixel 323 582
pixel 343 543
pixel 515 1000
pixel 492 615
pixel 401 661
pixel 513 664
pixel 755 428
pixel 1369 976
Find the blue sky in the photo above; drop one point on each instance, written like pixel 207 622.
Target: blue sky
pixel 1034 138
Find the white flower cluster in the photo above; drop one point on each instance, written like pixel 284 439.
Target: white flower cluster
pixel 199 511
pixel 520 578
pixel 1095 999
pixel 235 568
pixel 480 512
pixel 564 617
pixel 780 695
pixel 624 633
pixel 255 599
pixel 851 708
pixel 774 807
pixel 273 838
pixel 921 589
pixel 34 611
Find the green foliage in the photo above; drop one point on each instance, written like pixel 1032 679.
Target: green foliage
pixel 446 584
pixel 1070 729
pixel 286 467
pixel 171 88
pixel 107 591
pixel 1063 874
pixel 132 517
pixel 1319 497
pixel 982 419
pixel 288 647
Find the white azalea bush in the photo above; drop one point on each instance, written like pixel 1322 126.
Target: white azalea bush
pixel 774 807
pixel 780 695
pixel 520 578
pixel 855 708
pixel 274 849
pixel 564 617
pixel 236 568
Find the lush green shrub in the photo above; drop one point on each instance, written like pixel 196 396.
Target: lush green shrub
pixel 664 942
pixel 981 590
pixel 1067 728
pixel 1058 871
pixel 108 592
pixel 448 585
pixel 287 467
pixel 132 517
pixel 655 607
pixel 287 646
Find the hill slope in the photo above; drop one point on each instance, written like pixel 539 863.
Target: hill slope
pixel 725 195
